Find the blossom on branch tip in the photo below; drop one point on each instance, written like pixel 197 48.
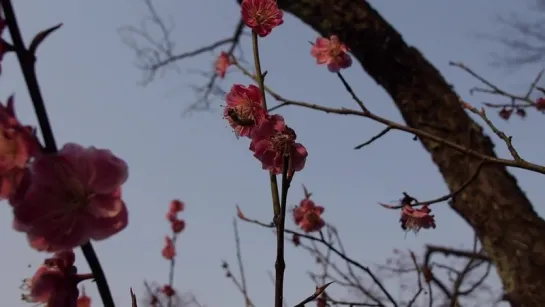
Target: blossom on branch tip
pixel 261 15
pixel 331 52
pixel 71 197
pixel 521 112
pixel 540 104
pixel 222 63
pixel 244 110
pixel 415 219
pixel 272 141
pixel 505 113
pixel 56 282
pixel 308 216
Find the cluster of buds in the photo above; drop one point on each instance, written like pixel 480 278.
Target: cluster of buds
pixel 177 225
pixel 506 112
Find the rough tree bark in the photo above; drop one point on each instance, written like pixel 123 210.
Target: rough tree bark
pixel 512 233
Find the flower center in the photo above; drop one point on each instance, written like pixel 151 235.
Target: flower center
pixel 244 112
pixel 76 195
pixel 261 16
pixel 312 217
pixel 281 141
pixel 335 50
pixel 242 115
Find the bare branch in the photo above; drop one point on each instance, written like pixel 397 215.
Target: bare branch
pixel 241 264
pixel 156 55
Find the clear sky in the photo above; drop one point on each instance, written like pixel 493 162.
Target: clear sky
pixel 91 88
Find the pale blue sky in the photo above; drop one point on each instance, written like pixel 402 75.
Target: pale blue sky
pixel 90 86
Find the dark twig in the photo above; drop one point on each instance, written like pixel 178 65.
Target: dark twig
pixel 244 288
pixel 506 139
pixel 450 195
pixel 152 294
pixel 374 138
pixel 236 282
pixel 333 249
pixel 418 279
pixel 155 56
pixel 133 299
pixel 318 292
pixel 516 101
pixel 431 249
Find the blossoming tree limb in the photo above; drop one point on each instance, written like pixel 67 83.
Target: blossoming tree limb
pixel 439 118
pixel 61 199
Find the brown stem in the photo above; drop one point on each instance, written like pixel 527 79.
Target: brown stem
pixel 278 215
pixel 260 82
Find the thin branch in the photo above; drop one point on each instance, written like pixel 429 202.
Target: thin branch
pixel 318 292
pixel 152 295
pixel 374 138
pixel 236 282
pixel 172 268
pixel 395 126
pixel 418 279
pixel 431 249
pixel 330 246
pixel 516 101
pixel 154 56
pixel 244 288
pixel 443 198
pixel 133 299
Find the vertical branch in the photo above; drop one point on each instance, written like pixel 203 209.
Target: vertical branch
pixel 279 212
pixel 280 265
pixel 260 82
pixel 171 270
pixel 241 264
pixel 27 62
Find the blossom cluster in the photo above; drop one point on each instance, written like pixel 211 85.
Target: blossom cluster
pixel 271 139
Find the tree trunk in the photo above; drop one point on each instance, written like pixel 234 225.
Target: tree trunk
pixel 511 232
